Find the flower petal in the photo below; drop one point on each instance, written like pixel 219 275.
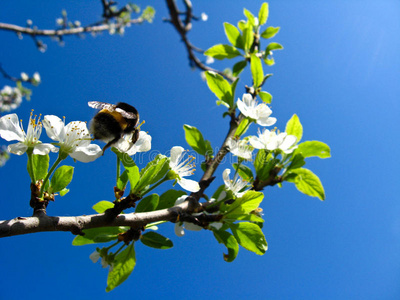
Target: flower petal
pixel 94 257
pixel 176 153
pixel 269 121
pixel 87 154
pixel 43 149
pixel 10 129
pixel 189 185
pixel 179 230
pixel 193 227
pixel 54 127
pixel 18 148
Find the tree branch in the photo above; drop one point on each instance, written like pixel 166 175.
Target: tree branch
pixel 183 28
pixel 44 223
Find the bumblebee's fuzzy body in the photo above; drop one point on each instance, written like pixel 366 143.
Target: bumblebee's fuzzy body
pixel 113 121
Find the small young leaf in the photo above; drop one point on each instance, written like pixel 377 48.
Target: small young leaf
pixel 220 87
pixel 101 206
pixel 250 17
pixel 132 171
pixel 230 243
pixel 270 32
pixel 244 172
pixel 238 67
pixel 242 128
pixel 61 178
pixel 63 192
pixel 245 204
pixel 233 35
pixel 263 14
pixel 294 127
pixel 123 266
pixel 97 235
pixel 155 240
pixel 168 198
pixel 122 180
pixel 269 61
pixel 221 51
pixel 250 237
pixel 265 97
pixel 248 37
pixel 154 171
pixel 40 165
pixel 297 161
pixel 148 203
pixel 195 139
pixel 273 46
pixel 256 70
pixel 307 182
pixel 314 148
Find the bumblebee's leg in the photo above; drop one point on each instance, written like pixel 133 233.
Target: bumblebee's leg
pixel 110 143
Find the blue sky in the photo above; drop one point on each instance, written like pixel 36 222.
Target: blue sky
pixel 338 73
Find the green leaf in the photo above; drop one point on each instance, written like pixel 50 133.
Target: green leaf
pixel 294 127
pixel 244 172
pixel 269 61
pixel 256 70
pixel 63 192
pixel 220 87
pixel 250 237
pixel 224 237
pixel 247 217
pixel 242 128
pixel 221 51
pixel 195 139
pixel 273 46
pixel 248 37
pixel 122 180
pixel 263 14
pixel 209 149
pixel 265 97
pixel 97 235
pixel 242 25
pixel 40 165
pixel 154 171
pixel 245 204
pixel 314 148
pixel 238 67
pixel 249 16
pixel 148 203
pixel 270 32
pixel 61 178
pixel 297 161
pixel 264 163
pixel 123 266
pixel 233 35
pixel 132 171
pixel 307 182
pixel 101 206
pixel 168 198
pixel 155 240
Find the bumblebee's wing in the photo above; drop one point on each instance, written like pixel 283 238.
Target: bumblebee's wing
pixel 126 114
pixel 101 105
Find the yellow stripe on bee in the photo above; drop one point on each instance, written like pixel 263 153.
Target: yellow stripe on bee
pixel 117 116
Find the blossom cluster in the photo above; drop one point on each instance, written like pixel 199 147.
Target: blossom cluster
pixel 10 98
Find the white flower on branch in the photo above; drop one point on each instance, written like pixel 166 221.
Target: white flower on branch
pixel 236 185
pixel 240 148
pixel 11 130
pixel 183 168
pixel 73 139
pixel 259 113
pixel 270 140
pixel 10 98
pixel 143 144
pixel 181 226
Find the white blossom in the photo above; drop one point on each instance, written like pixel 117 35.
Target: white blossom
pixel 204 17
pixel 95 256
pixel 73 139
pixel 240 148
pixel 181 226
pixel 10 98
pixel 36 78
pixel 236 185
pixel 210 60
pixel 260 113
pixel 183 168
pixel 11 130
pixel 125 144
pixel 24 76
pixel 270 140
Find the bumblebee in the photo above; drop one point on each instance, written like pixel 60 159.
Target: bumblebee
pixel 113 121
